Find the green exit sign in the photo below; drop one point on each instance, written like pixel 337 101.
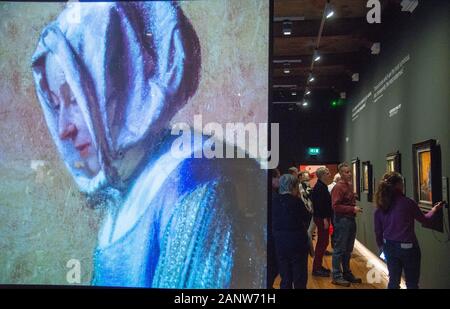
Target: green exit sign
pixel 313 151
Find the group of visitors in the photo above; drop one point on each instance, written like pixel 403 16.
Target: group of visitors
pixel 298 210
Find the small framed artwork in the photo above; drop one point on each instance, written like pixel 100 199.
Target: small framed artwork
pixel 427 178
pixel 427 187
pixel 393 162
pixel 356 178
pixel 367 184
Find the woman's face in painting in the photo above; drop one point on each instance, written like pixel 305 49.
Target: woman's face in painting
pixel 72 127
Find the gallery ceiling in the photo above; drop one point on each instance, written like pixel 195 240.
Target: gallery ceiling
pixel 344 47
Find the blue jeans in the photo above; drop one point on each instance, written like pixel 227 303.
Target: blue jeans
pixel 344 240
pixel 400 259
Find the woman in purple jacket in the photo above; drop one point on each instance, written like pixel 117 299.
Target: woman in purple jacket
pixel 394 230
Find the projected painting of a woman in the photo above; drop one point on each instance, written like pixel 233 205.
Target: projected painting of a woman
pixel 109 83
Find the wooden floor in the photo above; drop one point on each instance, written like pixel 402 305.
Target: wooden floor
pixel 359 267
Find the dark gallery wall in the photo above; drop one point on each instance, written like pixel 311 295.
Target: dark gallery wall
pixel 318 125
pixel 415 50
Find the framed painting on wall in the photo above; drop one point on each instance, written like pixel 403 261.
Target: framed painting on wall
pixel 427 181
pixel 427 170
pixel 367 184
pixel 393 162
pixel 356 178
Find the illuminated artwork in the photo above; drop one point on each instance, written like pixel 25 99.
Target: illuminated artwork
pixel 356 178
pixel 96 184
pixel 424 174
pixel 365 177
pixel 393 162
pixel 427 174
pixel 311 169
pixel 427 181
pixel 390 166
pixel 367 182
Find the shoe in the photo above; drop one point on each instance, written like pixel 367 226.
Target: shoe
pixel 352 279
pixel 325 269
pixel 341 282
pixel 320 273
pixel 328 253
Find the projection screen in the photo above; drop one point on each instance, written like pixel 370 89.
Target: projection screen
pixel 112 121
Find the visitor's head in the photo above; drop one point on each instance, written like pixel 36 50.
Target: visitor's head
pixel 276 173
pixel 345 172
pixel 304 177
pixel 390 186
pixel 288 184
pixel 293 171
pixel 323 174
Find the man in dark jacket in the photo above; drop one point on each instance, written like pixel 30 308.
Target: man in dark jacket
pixel 323 212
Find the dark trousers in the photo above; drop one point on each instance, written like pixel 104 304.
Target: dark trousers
pixel 399 259
pixel 292 256
pixel 344 240
pixel 323 239
pixel 272 267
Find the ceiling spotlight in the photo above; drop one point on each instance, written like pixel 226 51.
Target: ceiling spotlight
pixel 287 68
pixel 307 91
pixel 329 11
pixel 293 93
pixel 316 55
pixel 311 78
pixel 305 104
pixel 287 27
